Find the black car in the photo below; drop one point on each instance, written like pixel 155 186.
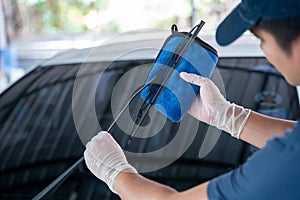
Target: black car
pixel 41 136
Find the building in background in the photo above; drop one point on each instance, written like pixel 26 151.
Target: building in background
pixel 3 80
pixel 10 17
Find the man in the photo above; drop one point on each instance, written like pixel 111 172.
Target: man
pixel 273 172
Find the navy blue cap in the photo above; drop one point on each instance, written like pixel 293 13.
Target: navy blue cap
pixel 247 14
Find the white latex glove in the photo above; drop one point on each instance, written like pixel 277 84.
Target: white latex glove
pixel 105 158
pixel 211 107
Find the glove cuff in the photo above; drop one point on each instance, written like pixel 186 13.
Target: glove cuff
pixel 125 167
pixel 234 120
pixel 240 122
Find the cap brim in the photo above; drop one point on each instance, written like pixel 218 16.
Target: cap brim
pixel 232 27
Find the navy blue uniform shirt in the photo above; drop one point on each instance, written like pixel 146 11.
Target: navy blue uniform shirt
pixel 272 172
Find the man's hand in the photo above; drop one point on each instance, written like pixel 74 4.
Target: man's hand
pixel 105 158
pixel 211 107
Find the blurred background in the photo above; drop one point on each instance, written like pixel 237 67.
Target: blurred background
pixel 34 30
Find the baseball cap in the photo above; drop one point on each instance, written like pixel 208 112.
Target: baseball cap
pixel 246 14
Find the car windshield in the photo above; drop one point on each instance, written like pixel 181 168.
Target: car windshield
pixel 39 139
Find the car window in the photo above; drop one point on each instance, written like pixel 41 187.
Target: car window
pixel 39 139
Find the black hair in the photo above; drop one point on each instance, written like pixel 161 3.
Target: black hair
pixel 284 30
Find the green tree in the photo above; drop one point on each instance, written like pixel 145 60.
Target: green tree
pixel 59 15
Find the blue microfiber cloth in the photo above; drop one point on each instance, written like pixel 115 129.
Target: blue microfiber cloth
pixel 177 95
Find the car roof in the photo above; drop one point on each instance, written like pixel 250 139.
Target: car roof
pixel 145 45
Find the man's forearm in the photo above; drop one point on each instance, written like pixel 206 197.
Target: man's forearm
pixel 134 186
pixel 260 128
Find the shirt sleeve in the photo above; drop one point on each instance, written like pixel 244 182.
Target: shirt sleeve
pixel 271 173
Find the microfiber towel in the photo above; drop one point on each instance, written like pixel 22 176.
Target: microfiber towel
pixel 177 95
